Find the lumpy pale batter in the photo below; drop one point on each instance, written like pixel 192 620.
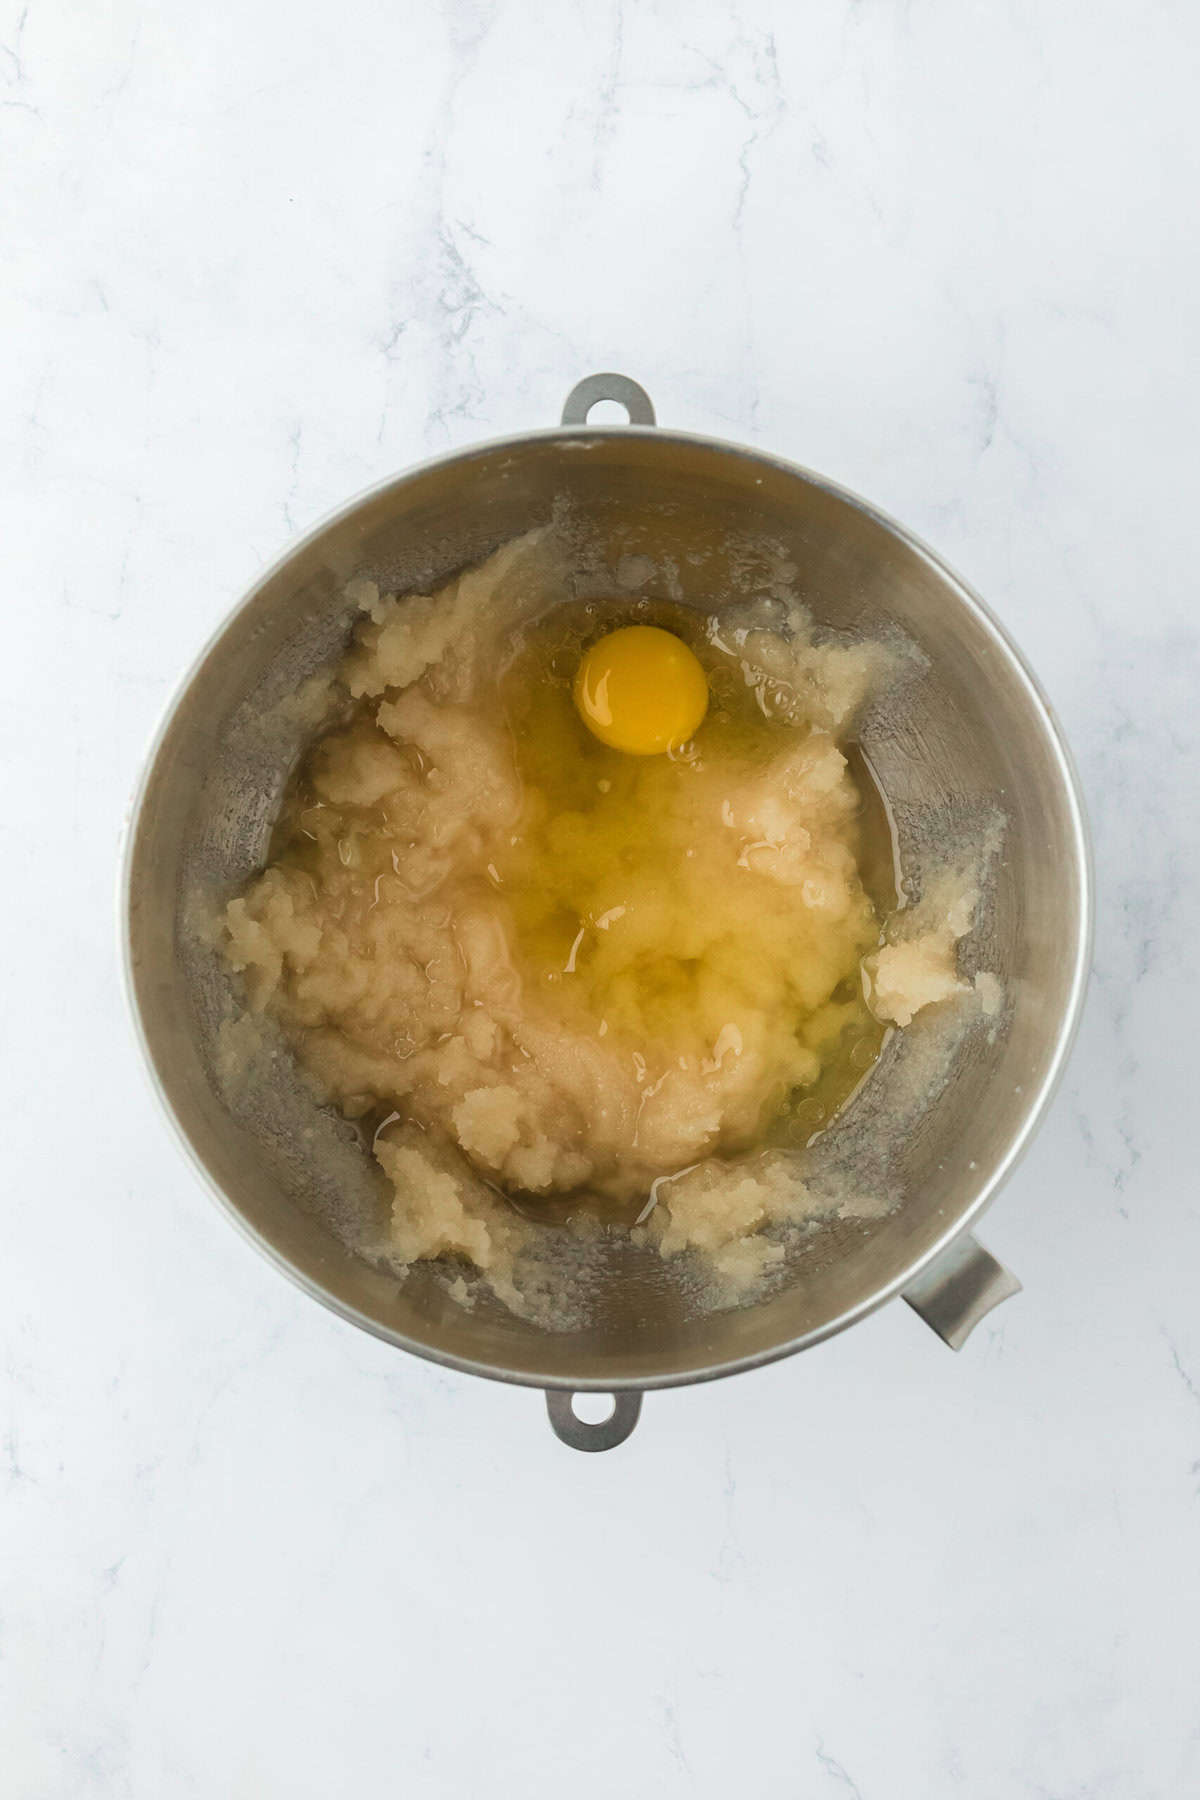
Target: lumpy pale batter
pixel 537 966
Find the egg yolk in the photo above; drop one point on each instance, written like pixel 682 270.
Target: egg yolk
pixel 641 690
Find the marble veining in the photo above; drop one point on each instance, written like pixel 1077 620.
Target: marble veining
pixel 257 260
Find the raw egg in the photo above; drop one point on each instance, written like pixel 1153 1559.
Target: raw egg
pixel 641 690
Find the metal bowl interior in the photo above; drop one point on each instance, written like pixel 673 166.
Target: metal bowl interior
pixel 975 734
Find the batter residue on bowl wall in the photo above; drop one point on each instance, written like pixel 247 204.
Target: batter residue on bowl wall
pixel 558 981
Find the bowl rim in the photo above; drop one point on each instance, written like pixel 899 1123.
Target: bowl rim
pixel 580 437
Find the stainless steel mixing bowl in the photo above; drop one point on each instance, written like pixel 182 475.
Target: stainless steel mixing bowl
pixel 976 732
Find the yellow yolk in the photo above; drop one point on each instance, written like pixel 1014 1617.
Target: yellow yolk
pixel 641 690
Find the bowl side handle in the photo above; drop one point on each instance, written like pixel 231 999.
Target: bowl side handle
pixel 959 1288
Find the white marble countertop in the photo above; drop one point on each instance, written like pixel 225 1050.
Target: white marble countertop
pixel 257 258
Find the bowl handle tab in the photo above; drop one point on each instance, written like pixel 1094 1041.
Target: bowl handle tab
pixel 585 394
pixel 955 1292
pixel 582 1434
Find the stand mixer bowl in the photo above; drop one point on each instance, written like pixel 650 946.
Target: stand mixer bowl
pixel 977 731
